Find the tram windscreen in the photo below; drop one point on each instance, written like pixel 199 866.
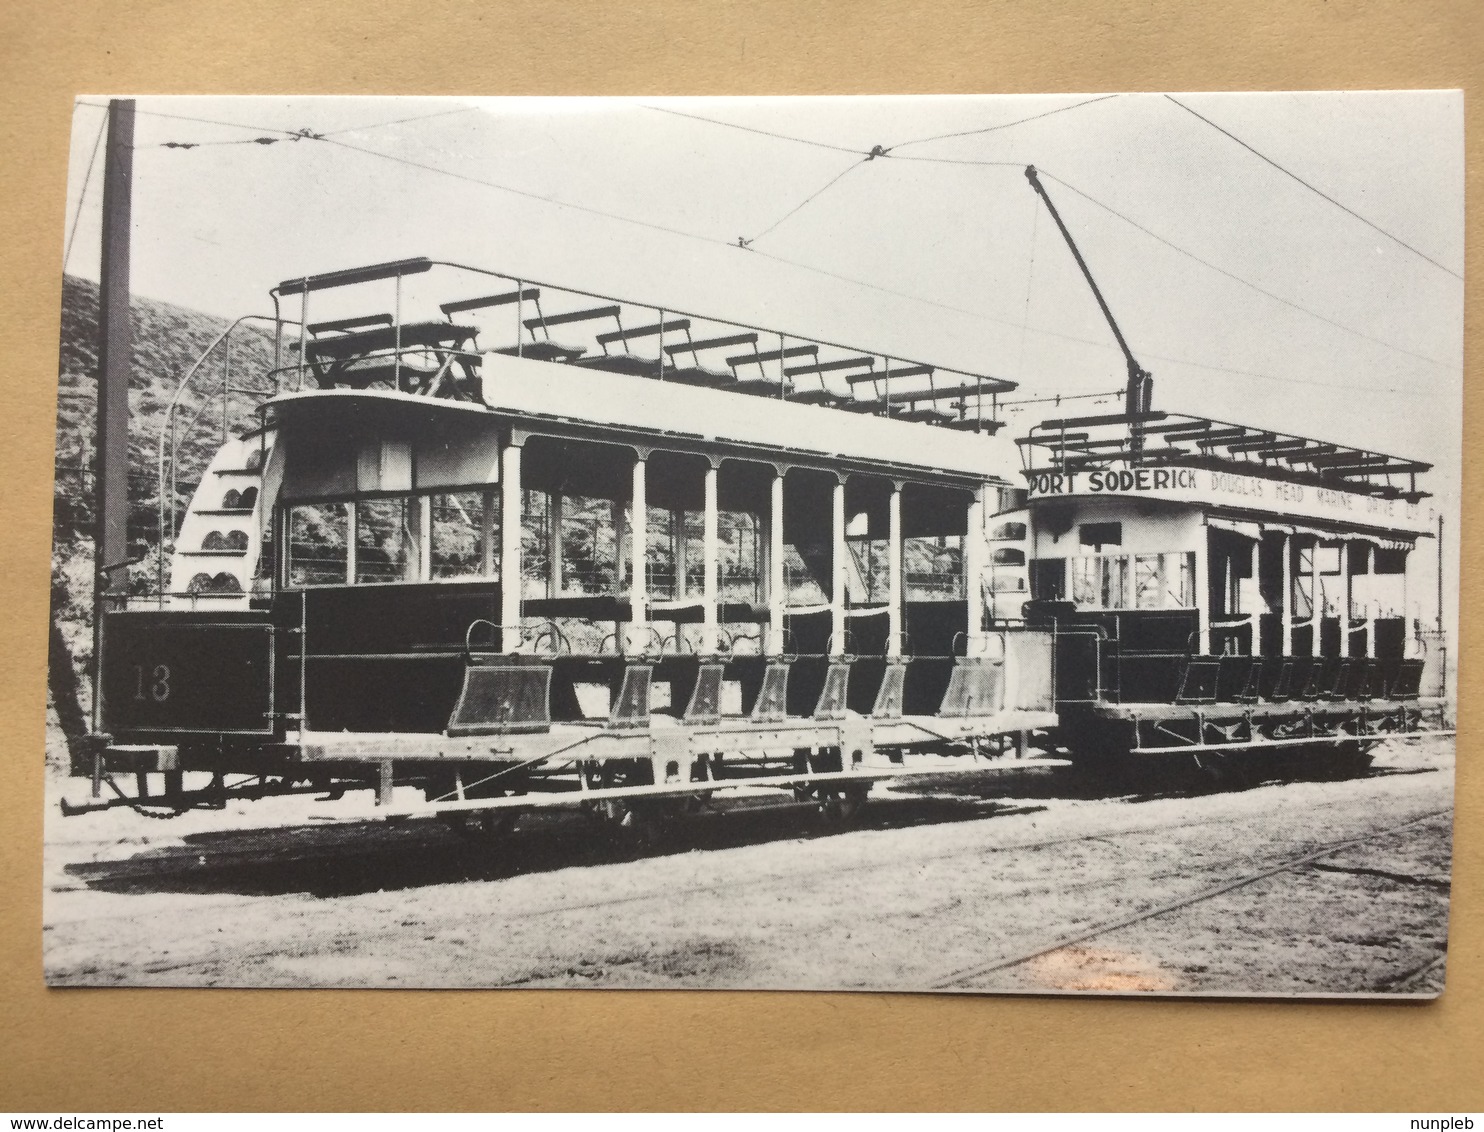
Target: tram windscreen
pixel 318 544
pixel 459 530
pixel 388 539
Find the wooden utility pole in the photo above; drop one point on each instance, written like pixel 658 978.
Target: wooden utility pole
pixel 111 485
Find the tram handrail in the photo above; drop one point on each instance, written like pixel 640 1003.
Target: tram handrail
pixel 168 429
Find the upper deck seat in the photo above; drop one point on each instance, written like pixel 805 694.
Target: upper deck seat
pixel 545 351
pixel 619 363
pixel 407 377
pixel 341 347
pixel 360 358
pixel 971 424
pixel 762 387
pixel 825 397
pixel 929 416
pixel 696 375
pixel 633 365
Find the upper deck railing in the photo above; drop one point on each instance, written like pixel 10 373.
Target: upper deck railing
pixel 568 326
pixel 1157 439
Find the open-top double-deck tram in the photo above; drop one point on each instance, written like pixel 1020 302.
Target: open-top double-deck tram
pixel 1218 589
pixel 552 548
pixel 570 554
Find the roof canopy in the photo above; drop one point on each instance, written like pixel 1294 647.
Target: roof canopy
pixel 1154 440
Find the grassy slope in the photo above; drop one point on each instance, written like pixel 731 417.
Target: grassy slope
pixel 167 340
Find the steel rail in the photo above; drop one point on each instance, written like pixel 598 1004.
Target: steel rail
pixel 957 978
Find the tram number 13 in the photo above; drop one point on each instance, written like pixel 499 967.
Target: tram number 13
pixel 152 684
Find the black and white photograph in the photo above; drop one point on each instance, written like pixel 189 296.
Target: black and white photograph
pixel 1000 544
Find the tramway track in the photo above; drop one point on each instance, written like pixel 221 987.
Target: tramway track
pixel 958 978
pixel 789 878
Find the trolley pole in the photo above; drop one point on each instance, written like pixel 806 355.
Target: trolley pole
pixel 111 488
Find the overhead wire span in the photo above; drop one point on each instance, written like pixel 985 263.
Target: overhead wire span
pixel 1239 279
pixel 854 165
pixel 755 130
pixel 1005 125
pixel 288 135
pixel 556 201
pixel 1316 191
pixel 824 272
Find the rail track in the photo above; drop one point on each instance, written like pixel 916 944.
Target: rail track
pixel 959 978
pixel 559 877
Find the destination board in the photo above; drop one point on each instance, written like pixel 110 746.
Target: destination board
pixel 1204 487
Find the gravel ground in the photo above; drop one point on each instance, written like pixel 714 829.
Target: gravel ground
pixel 1023 883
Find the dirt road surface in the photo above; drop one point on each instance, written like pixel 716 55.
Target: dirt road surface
pixel 1025 883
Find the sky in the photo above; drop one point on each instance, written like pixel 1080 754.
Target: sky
pixel 1300 271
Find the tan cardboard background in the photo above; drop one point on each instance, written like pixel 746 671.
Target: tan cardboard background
pixel 147 1050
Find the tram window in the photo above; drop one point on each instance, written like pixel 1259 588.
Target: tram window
pixel 1164 581
pixel 1009 532
pixel 591 560
pixel 1101 581
pixel 1049 579
pixel 934 568
pixel 1009 556
pixel 317 544
pixel 1390 561
pixel 739 556
pixel 388 538
pixel 1329 559
pixel 1123 581
pixel 459 529
pixel 806 569
pixel 1100 534
pixel 873 565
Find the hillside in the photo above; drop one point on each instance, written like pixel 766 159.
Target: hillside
pixel 168 339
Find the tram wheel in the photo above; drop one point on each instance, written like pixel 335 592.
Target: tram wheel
pixel 484 825
pixel 840 805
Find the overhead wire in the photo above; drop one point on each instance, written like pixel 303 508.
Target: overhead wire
pixel 755 130
pixel 824 272
pixel 1003 125
pixel 87 179
pixel 881 151
pixel 852 167
pixel 288 134
pixel 1317 191
pixel 1237 278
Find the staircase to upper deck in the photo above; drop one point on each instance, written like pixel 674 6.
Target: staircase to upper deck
pixel 220 541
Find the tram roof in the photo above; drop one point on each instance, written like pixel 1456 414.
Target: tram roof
pixel 562 402
pixel 1077 444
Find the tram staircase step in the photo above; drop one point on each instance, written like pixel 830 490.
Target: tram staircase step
pixel 219 543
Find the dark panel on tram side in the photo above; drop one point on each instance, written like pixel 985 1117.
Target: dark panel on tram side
pixel 1302 640
pixel 390 618
pixel 932 627
pixel 868 641
pixel 1391 637
pixel 809 641
pixel 1270 634
pixel 363 672
pixel 170 672
pixel 868 635
pixel 358 694
pixel 1147 678
pixel 1329 636
pixel 1158 630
